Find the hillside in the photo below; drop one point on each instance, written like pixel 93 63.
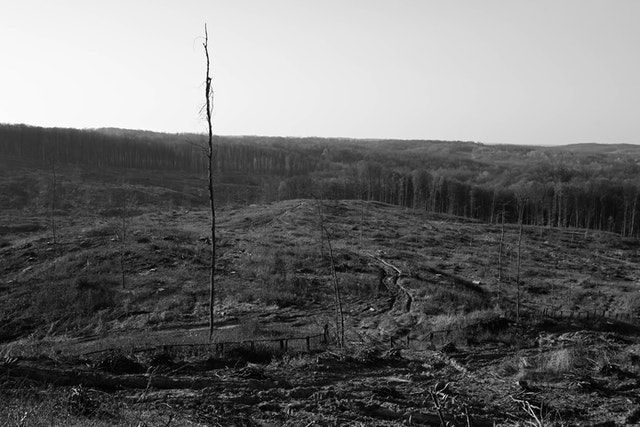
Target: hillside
pixel 445 315
pixel 271 254
pixel 591 186
pixel 65 300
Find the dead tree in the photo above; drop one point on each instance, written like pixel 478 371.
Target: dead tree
pixel 324 233
pixel 633 213
pixel 123 235
pixel 500 248
pixel 493 206
pixel 336 291
pixel 208 92
pixel 518 269
pixel 52 216
pixel 361 221
pixel 319 208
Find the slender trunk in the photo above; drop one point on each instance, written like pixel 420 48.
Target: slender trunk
pixel 633 215
pixel 321 227
pixel 209 107
pixel 361 221
pixel 493 206
pixel 518 272
pixel 336 290
pixel 500 250
pixel 623 229
pixel 53 202
pixel 123 237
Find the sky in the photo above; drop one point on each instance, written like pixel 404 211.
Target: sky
pixel 493 71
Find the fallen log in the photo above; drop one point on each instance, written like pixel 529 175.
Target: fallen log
pixel 110 382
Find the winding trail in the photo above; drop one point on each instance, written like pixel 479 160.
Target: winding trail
pixel 396 280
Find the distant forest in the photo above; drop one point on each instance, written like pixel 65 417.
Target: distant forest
pixel 592 186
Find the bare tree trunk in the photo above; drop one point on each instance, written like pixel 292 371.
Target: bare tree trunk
pixel 336 289
pixel 493 206
pixel 361 220
pixel 321 227
pixel 123 235
pixel 500 249
pixel 336 286
pixel 633 214
pixel 209 107
pixel 518 272
pixel 53 202
pixel 623 229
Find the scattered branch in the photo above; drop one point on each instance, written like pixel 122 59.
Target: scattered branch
pixel 535 412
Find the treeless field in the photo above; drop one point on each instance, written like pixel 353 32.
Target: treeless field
pixel 455 350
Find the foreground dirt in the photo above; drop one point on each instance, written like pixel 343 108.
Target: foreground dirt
pixel 565 378
pixel 404 275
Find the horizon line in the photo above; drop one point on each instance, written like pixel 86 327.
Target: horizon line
pixel 346 138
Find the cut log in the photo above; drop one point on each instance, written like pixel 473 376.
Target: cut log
pixel 110 382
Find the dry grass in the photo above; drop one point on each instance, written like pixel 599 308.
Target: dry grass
pixel 560 361
pixel 269 256
pixel 24 405
pixel 462 320
pixel 552 365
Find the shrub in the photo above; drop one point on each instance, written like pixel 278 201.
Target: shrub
pixel 439 300
pixel 93 295
pixel 559 361
pixel 119 363
pixel 552 365
pixel 536 289
pixel 633 303
pixel 259 354
pixel 293 291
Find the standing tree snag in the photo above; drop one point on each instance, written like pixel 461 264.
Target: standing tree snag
pixel 53 201
pixel 500 248
pixel 336 285
pixel 321 227
pixel 520 216
pixel 123 234
pixel 209 106
pixel 336 291
pixel 521 203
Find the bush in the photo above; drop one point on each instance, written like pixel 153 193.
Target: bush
pixel 633 304
pixel 93 295
pixel 559 361
pixel 442 300
pixel 552 365
pixel 295 291
pixel 259 354
pixel 75 303
pixel 535 289
pixel 119 363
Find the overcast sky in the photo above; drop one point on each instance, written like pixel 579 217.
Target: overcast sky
pixel 493 71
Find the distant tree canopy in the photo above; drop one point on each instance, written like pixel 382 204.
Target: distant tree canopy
pixel 584 185
pixel 143 150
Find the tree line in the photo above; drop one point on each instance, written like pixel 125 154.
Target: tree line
pixel 584 186
pixel 179 152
